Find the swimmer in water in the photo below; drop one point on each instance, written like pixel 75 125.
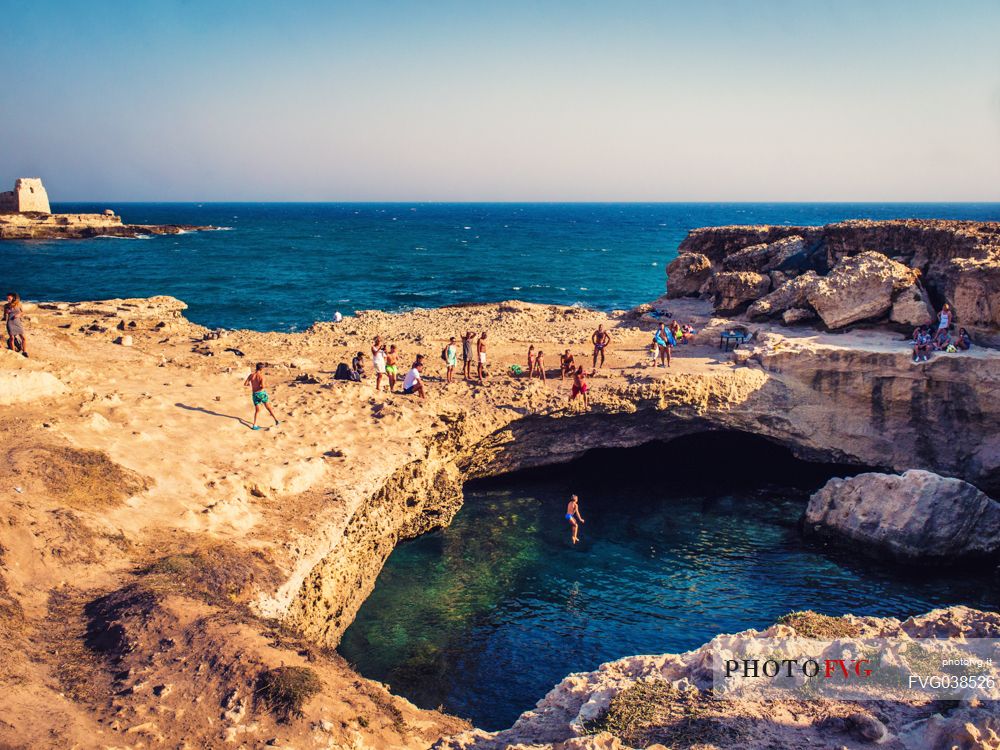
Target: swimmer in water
pixel 572 515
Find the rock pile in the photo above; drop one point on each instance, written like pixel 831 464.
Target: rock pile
pixel 847 273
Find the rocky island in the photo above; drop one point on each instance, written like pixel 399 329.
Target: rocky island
pixel 162 584
pixel 25 215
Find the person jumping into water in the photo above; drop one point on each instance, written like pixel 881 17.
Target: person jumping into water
pixel 258 388
pixel 572 515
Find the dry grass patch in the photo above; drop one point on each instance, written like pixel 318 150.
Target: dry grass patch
pixel 81 479
pixel 284 691
pixel 218 575
pixel 646 713
pixel 811 624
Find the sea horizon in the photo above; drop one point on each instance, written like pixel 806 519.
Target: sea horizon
pixel 284 266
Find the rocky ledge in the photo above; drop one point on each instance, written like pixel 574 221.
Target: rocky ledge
pixel 665 701
pixel 167 575
pixel 38 226
pixel 894 272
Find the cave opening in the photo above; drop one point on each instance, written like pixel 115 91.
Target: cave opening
pixel 683 540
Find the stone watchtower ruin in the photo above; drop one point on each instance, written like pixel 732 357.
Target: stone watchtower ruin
pixel 28 196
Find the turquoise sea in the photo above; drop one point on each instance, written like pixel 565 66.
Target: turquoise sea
pixel 283 266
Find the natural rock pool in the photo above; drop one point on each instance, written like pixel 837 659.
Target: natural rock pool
pixel 682 541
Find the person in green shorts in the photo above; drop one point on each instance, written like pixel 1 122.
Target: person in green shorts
pixel 258 388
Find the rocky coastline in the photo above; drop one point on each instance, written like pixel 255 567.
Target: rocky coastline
pixel 166 575
pixel 43 226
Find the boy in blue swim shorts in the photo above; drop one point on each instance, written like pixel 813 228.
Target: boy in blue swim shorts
pixel 573 514
pixel 258 389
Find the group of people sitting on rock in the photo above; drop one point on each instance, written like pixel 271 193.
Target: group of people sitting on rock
pixel 927 338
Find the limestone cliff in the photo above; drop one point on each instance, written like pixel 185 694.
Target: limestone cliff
pixel 158 542
pixel 958 261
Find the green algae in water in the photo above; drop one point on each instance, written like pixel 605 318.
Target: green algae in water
pixel 484 617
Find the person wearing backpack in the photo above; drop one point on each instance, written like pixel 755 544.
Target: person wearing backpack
pixel 450 356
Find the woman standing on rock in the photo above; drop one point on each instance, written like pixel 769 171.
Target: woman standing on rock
pixel 944 318
pixel 13 313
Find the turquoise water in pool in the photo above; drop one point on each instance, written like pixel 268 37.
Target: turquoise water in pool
pixel 484 617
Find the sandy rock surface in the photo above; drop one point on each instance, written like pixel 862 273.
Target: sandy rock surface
pixel 159 559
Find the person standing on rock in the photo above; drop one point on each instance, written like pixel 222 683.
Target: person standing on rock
pixel 468 353
pixel 539 366
pixel 944 318
pixel 450 360
pixel 481 348
pixel 601 339
pixel 580 388
pixel 664 341
pixel 391 366
pixel 258 390
pixel 573 515
pixel 378 362
pixel 13 314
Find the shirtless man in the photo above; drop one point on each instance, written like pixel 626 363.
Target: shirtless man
pixel 600 340
pixel 481 348
pixel 567 365
pixel 539 366
pixel 259 395
pixel 468 353
pixel 572 515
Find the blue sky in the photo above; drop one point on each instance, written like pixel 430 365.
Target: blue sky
pixel 766 100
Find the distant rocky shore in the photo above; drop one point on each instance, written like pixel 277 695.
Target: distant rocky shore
pixel 42 226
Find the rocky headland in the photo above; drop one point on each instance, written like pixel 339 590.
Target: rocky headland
pixel 169 577
pixel 45 226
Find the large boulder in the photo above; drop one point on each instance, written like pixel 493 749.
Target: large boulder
pixel 781 254
pixel 912 307
pixel 918 515
pixel 793 293
pixel 686 274
pixel 973 289
pixel 861 287
pixel 732 290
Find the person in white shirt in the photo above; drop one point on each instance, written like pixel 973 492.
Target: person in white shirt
pixel 413 383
